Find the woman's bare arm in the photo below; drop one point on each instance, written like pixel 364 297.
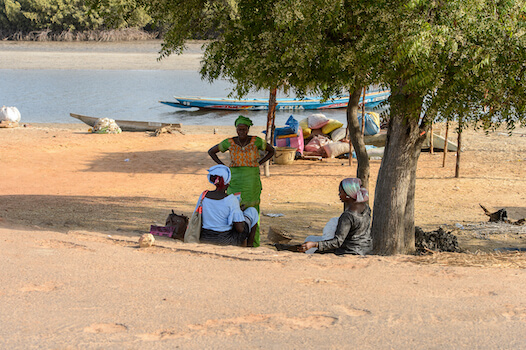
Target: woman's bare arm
pixel 212 152
pixel 270 152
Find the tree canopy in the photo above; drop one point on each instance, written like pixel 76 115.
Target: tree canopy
pixel 441 59
pixel 70 15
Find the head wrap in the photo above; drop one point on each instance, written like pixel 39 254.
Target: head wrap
pixel 243 120
pixel 353 188
pixel 220 170
pixel 251 216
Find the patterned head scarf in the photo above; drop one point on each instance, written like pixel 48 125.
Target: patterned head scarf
pixel 353 188
pixel 243 120
pixel 221 171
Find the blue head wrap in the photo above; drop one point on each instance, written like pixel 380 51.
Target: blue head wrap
pixel 220 170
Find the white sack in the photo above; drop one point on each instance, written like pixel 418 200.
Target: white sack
pixel 317 121
pixel 10 114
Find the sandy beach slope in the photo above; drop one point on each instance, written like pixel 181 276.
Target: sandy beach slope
pixel 132 55
pixel 73 205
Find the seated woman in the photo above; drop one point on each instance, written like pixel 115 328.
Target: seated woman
pixel 353 233
pixel 223 221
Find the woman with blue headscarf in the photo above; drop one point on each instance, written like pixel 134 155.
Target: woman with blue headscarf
pixel 223 221
pixel 353 233
pixel 244 163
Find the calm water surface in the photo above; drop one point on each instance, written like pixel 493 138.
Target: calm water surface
pixel 48 96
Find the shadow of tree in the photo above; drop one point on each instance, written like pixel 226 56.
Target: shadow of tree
pixel 189 163
pixel 134 215
pixel 127 214
pixel 155 162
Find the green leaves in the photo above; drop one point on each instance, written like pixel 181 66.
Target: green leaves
pixel 71 15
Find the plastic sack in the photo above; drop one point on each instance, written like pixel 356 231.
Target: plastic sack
pixel 304 124
pixel 315 145
pixel 372 123
pixel 317 121
pixel 372 151
pixel 106 126
pixel 10 114
pixel 335 149
pixel 329 231
pixel 331 126
pixel 338 134
pixel 291 128
pixel 330 228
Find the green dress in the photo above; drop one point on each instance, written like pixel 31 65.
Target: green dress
pixel 244 167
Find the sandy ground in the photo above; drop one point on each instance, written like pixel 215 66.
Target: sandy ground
pixel 95 55
pixel 73 205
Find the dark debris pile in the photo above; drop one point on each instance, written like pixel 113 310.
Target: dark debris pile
pixel 438 241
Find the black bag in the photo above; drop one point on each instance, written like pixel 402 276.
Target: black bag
pixel 179 223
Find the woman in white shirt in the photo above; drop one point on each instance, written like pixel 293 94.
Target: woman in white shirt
pixel 223 221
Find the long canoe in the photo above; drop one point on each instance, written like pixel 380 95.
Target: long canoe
pixel 128 125
pixel 309 103
pixel 379 140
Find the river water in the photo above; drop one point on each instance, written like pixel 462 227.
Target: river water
pixel 48 96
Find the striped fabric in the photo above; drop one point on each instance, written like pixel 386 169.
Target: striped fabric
pixel 231 237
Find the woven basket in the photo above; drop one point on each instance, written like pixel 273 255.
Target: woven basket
pixel 277 235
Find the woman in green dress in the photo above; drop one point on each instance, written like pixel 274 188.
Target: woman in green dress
pixel 244 164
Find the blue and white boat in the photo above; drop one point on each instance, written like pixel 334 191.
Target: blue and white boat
pixel 308 103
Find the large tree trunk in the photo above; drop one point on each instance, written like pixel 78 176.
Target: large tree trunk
pixel 393 228
pixel 356 137
pixel 271 115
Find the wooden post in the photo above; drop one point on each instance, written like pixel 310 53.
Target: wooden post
pixel 363 124
pixel 445 144
pixel 269 136
pixel 431 146
pixel 459 145
pixel 363 112
pixel 350 144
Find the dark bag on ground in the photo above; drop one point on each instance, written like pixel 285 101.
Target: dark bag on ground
pixel 179 223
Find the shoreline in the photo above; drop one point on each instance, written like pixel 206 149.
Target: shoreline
pixel 123 55
pixel 186 128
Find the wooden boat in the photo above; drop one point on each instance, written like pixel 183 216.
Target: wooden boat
pixel 128 125
pixel 379 140
pixel 8 124
pixel 439 143
pixel 372 99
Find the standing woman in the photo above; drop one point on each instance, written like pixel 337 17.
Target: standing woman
pixel 244 164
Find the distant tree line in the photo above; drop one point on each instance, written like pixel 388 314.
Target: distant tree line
pixel 78 20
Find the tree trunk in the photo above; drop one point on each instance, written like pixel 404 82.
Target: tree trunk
pixel 393 228
pixel 269 136
pixel 356 137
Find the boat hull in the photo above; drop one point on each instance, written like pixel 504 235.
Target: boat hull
pixel 439 142
pixel 371 99
pixel 127 125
